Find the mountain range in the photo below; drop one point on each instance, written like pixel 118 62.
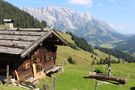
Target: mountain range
pixel 92 29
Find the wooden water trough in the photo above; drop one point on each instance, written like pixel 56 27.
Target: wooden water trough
pixel 107 78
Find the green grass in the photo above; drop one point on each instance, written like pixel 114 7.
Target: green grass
pixel 110 44
pixel 80 56
pixel 106 45
pixel 123 71
pixel 67 37
pixel 10 87
pixel 72 78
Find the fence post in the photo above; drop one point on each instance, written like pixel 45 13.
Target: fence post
pixel 54 83
pixel 7 74
pixel 96 85
pixel 109 66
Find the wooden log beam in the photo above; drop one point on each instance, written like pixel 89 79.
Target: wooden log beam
pixel 17 76
pixel 107 78
pixel 34 70
pixel 13 46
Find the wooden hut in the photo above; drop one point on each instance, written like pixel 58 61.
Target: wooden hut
pixel 28 51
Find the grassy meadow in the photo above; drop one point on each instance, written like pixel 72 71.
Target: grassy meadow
pixel 72 78
pixel 10 87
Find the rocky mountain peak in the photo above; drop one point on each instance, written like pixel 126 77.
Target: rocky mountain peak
pixel 84 25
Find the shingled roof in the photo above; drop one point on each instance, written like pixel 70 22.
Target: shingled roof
pixel 23 41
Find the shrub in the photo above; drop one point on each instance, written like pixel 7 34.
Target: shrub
pixel 70 60
pixel 100 70
pixel 92 56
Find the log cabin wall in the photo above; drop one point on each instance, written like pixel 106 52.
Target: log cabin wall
pixel 44 57
pixel 20 49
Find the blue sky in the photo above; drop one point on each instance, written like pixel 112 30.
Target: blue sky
pixel 120 14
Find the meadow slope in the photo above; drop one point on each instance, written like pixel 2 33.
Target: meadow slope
pixel 72 77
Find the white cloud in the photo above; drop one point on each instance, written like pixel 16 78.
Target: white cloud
pixel 81 2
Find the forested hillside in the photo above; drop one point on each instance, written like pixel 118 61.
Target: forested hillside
pixel 21 18
pixel 97 53
pixel 82 43
pixel 119 54
pixel 127 45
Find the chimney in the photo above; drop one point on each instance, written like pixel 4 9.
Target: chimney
pixel 8 23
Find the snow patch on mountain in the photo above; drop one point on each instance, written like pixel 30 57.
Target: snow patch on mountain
pixel 84 25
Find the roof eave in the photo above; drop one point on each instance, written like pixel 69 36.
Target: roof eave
pixel 57 34
pixel 35 44
pixel 41 39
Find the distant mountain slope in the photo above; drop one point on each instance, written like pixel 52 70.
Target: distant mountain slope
pixel 21 18
pixel 83 25
pixel 80 55
pixel 128 45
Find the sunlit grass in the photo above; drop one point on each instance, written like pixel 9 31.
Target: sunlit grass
pixel 10 87
pixel 72 78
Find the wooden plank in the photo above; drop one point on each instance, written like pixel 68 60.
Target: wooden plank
pixel 17 76
pixel 107 78
pixel 10 50
pixel 17 43
pixel 17 40
pixel 34 70
pixel 19 37
pixel 13 46
pixel 14 32
pixel 7 72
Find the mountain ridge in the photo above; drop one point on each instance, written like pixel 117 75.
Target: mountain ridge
pixel 81 24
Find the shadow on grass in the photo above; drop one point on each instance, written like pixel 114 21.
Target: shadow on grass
pixel 132 88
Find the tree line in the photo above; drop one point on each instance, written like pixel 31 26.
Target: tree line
pixel 21 18
pixel 81 43
pixel 117 53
